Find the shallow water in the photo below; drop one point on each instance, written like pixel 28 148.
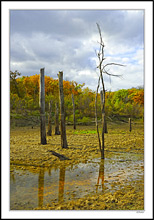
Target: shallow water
pixel 29 189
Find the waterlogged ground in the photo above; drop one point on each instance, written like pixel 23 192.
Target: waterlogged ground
pixel 39 180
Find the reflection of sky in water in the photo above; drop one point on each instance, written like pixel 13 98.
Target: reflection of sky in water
pixel 29 190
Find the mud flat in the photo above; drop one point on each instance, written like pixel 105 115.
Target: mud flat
pixel 39 180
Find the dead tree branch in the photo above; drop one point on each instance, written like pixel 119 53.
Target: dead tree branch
pixel 60 156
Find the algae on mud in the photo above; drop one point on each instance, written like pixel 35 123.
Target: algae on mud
pixel 121 146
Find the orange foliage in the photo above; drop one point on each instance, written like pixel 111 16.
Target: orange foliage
pixel 31 85
pixel 139 97
pixel 48 85
pixel 67 87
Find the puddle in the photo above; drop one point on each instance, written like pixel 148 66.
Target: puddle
pixel 29 189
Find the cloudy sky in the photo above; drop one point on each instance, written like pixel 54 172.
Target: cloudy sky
pixel 66 40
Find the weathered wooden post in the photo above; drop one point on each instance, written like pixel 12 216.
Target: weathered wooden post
pixel 74 121
pixel 49 120
pixel 57 132
pixel 62 112
pixel 130 125
pixel 42 107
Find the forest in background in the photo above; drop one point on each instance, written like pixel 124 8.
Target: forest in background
pixel 24 100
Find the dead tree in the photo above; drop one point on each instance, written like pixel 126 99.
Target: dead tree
pixel 42 107
pixel 105 122
pixel 62 112
pixel 74 121
pixel 57 132
pixel 130 125
pixel 49 120
pixel 102 71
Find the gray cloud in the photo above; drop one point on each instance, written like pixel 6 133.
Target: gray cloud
pixel 67 39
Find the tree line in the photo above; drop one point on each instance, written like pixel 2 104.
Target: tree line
pixel 24 98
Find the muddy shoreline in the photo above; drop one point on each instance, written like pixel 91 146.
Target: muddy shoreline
pixel 29 155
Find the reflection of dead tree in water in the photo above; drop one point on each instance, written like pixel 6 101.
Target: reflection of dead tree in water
pixel 40 187
pixel 102 71
pixel 12 176
pixel 49 171
pixel 61 184
pixel 100 176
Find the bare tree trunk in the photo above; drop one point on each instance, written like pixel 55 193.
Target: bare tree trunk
pixel 74 121
pixel 49 120
pixel 103 128
pixel 57 132
pixel 102 93
pixel 99 141
pixel 130 125
pixel 62 112
pixel 105 122
pixel 101 145
pixel 42 107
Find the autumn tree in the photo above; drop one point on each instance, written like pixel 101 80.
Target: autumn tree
pixel 13 82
